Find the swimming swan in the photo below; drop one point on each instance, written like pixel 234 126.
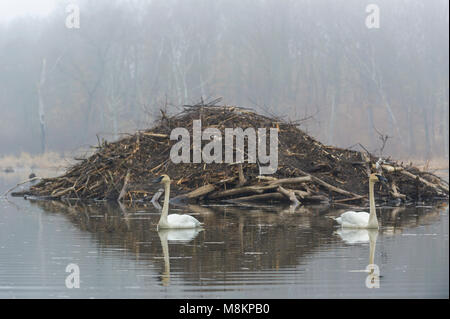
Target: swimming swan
pixel 352 219
pixel 173 220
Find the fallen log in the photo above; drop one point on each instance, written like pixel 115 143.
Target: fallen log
pixel 293 180
pixel 439 188
pixel 391 169
pixel 241 190
pixel 201 191
pixel 289 194
pixel 330 187
pixel 154 134
pixel 260 197
pixel 395 193
pixel 349 199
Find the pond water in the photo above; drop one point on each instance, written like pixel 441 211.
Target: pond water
pixel 242 252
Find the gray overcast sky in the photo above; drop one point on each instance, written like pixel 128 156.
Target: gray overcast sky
pixel 10 9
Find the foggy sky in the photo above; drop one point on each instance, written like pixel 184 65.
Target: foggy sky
pixel 295 59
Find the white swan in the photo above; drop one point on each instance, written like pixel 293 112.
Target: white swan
pixel 173 220
pixel 353 219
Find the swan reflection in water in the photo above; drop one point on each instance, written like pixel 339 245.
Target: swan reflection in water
pixel 358 236
pixel 174 235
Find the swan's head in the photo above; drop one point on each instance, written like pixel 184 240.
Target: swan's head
pixel 377 178
pixel 163 179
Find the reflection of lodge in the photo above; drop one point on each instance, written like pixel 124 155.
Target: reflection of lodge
pixel 234 237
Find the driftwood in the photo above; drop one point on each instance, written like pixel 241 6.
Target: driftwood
pixel 21 183
pixel 395 192
pixel 331 187
pixel 260 197
pixel 124 187
pixel 155 134
pixel 242 190
pixel 289 194
pixel 199 192
pixel 293 180
pixel 439 187
pixel 62 192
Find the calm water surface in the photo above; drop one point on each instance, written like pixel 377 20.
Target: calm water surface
pixel 243 252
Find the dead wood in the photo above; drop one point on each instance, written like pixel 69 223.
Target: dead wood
pixel 313 172
pixel 289 194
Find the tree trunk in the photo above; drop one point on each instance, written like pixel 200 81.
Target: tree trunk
pixel 41 108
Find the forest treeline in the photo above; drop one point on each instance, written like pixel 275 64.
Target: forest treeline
pixel 298 59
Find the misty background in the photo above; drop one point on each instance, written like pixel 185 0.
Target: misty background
pixel 297 59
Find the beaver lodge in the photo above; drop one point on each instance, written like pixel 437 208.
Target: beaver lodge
pixel 308 171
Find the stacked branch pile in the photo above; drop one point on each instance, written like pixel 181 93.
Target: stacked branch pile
pixel 308 171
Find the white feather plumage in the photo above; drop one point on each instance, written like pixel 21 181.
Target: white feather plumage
pixel 353 219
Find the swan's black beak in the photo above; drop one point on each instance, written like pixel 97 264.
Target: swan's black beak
pixel 157 180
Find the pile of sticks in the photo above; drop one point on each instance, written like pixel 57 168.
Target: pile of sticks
pixel 308 171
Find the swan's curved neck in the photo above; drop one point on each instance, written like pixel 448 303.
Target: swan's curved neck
pixel 373 221
pixel 165 209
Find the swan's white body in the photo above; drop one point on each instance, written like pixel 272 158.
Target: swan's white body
pixel 180 221
pixel 353 219
pixel 174 220
pixel 362 220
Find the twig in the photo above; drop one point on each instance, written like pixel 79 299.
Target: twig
pixel 21 183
